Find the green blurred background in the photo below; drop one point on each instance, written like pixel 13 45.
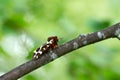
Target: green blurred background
pixel 26 24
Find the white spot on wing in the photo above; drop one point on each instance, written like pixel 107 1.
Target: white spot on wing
pixel 48 45
pixel 75 45
pixel 49 42
pixel 35 56
pixel 44 49
pixel 40 52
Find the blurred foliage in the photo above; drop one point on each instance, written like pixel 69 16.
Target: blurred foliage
pixel 99 25
pixel 26 24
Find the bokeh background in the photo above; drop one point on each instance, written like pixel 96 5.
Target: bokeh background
pixel 26 24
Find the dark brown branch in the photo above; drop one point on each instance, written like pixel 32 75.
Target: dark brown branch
pixel 80 41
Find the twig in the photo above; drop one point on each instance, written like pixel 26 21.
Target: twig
pixel 80 41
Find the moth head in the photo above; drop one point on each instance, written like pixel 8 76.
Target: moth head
pixel 54 38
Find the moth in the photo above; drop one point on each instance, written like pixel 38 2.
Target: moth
pixel 52 43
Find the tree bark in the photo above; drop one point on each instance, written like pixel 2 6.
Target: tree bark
pixel 81 41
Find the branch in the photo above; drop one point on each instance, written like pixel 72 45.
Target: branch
pixel 80 41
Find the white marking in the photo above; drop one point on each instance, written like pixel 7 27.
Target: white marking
pixel 100 35
pixel 44 49
pixel 75 45
pixel 40 52
pixel 48 45
pixel 117 32
pixel 36 56
pixel 36 53
pixel 51 41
